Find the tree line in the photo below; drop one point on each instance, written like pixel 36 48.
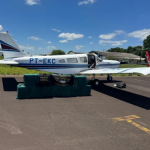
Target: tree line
pixel 137 50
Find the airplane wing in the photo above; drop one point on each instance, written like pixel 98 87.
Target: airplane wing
pixel 144 70
pixel 8 62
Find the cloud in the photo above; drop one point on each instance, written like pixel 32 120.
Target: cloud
pixel 27 47
pixel 90 37
pixel 107 36
pixel 91 42
pixel 32 2
pixel 78 47
pixel 119 31
pixel 56 30
pixel 63 41
pixel 49 42
pixel 86 2
pixel 1 28
pixel 111 35
pixel 113 43
pixel 51 47
pixel 34 38
pixel 141 34
pixel 71 36
pixel 41 48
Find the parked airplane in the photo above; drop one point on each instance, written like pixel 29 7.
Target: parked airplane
pixel 148 59
pixel 63 64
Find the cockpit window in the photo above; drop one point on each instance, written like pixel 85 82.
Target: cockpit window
pixel 62 61
pixel 83 59
pixel 72 60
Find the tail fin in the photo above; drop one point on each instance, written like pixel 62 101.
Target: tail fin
pixel 9 47
pixel 148 59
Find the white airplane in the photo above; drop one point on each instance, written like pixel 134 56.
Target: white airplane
pixel 63 64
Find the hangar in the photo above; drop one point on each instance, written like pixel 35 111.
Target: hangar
pixel 122 57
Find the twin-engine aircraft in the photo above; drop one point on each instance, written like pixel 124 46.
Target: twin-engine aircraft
pixel 62 64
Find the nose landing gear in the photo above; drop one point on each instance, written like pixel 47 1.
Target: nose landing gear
pixel 94 82
pixel 109 78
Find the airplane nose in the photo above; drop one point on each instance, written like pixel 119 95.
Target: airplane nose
pixel 116 62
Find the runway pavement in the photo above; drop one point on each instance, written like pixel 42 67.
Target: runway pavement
pixel 110 119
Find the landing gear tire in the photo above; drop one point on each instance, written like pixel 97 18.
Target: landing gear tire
pixel 95 83
pixel 109 78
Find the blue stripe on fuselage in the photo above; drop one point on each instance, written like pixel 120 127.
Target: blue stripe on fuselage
pixel 22 64
pixel 10 50
pixel 52 66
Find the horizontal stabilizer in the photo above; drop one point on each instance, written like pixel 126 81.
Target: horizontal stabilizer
pixel 144 70
pixel 8 62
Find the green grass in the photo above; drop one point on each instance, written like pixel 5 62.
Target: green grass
pixel 1 57
pixel 131 66
pixel 7 70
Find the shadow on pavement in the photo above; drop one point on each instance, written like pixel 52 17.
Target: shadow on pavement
pixel 10 84
pixel 132 98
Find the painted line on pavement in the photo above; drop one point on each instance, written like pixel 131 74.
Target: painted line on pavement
pixel 129 120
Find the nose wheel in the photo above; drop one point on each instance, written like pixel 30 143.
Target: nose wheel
pixel 109 78
pixel 96 82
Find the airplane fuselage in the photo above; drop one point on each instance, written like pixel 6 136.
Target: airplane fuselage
pixel 63 64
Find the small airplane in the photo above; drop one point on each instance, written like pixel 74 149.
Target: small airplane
pixel 148 59
pixel 62 64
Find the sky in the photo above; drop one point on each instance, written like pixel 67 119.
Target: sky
pixel 39 26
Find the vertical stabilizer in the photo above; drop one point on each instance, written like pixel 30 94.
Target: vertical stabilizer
pixel 148 59
pixel 9 47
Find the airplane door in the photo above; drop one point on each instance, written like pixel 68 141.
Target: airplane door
pixel 92 61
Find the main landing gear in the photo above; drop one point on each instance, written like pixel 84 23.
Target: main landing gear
pixel 109 78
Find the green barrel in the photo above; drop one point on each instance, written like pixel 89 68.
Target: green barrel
pixel 23 92
pixel 86 90
pixel 76 91
pixel 57 91
pixel 66 92
pixel 47 92
pixel 35 92
pixel 80 81
pixel 30 79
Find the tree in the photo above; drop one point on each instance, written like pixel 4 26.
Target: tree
pixel 146 42
pixel 69 52
pixel 58 52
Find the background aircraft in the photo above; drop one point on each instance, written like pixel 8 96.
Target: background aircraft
pixel 62 64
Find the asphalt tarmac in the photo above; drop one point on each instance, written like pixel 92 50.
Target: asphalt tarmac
pixel 110 119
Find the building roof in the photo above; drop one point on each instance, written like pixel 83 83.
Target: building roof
pixel 48 53
pixel 76 53
pixel 117 55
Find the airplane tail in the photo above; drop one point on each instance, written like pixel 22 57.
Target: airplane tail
pixel 9 47
pixel 148 59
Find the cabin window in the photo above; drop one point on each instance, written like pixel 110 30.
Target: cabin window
pixel 62 61
pixel 83 59
pixel 72 60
